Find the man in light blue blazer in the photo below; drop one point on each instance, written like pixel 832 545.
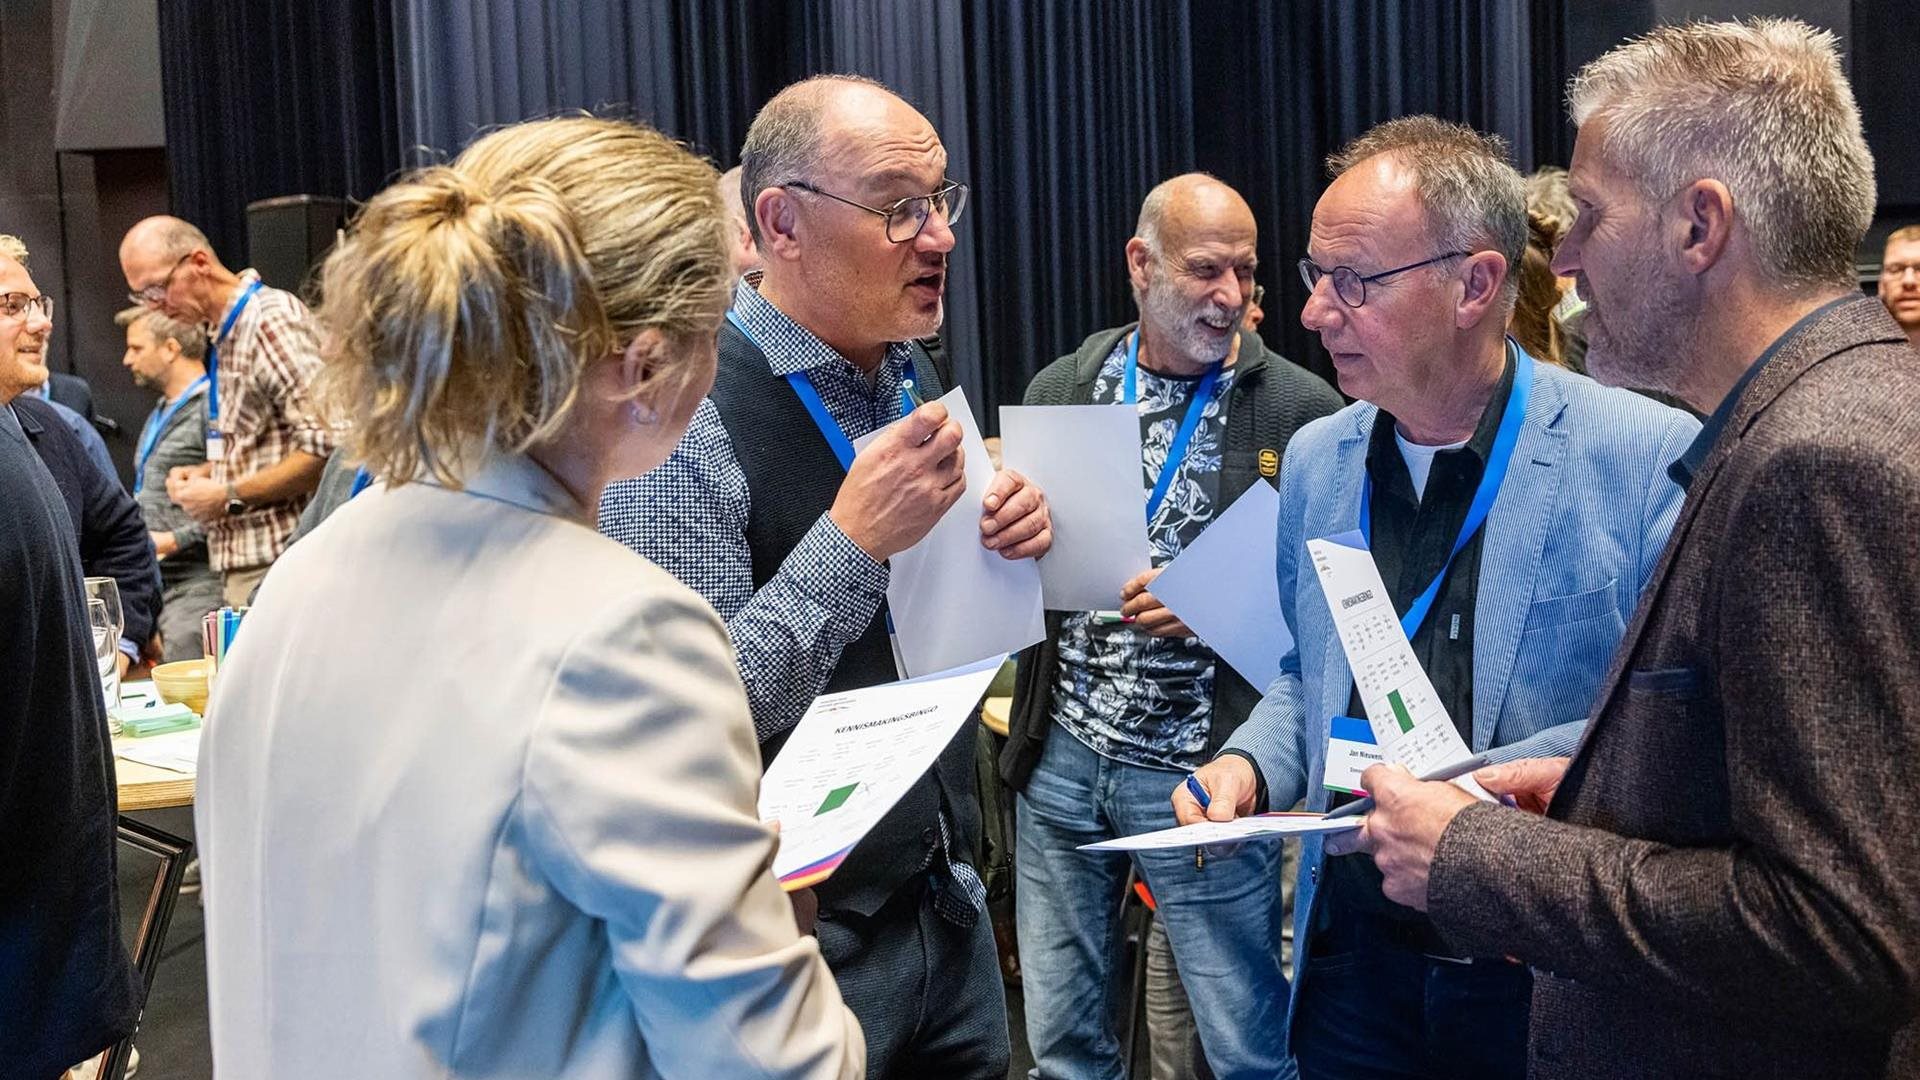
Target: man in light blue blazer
pixel 1411 293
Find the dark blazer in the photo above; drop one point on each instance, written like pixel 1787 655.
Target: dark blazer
pixel 66 988
pixel 73 392
pixel 107 523
pixel 1728 882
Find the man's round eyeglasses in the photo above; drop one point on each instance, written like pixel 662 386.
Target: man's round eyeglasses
pixel 15 305
pixel 905 217
pixel 1350 285
pixel 156 294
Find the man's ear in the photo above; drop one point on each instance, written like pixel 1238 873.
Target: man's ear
pixel 1706 216
pixel 1483 276
pixel 776 212
pixel 1139 264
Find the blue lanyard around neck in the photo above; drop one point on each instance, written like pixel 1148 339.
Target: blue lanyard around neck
pixel 156 424
pixel 1496 472
pixel 809 396
pixel 213 350
pixel 361 478
pixel 1176 453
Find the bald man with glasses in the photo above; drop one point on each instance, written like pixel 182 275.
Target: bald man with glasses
pixel 764 510
pixel 1409 270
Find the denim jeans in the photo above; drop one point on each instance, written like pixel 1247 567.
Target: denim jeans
pixel 1222 917
pixel 1379 1012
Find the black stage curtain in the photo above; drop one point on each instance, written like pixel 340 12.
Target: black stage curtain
pixel 1061 114
pixel 275 99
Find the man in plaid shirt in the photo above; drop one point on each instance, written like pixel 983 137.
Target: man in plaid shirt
pixel 267 442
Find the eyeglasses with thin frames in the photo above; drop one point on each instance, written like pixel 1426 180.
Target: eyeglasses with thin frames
pixel 907 217
pixel 156 293
pixel 1350 285
pixel 16 305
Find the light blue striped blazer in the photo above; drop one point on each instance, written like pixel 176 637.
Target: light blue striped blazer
pixel 1572 537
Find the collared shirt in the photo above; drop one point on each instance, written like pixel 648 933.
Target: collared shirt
pixel 1129 696
pixel 1688 466
pixel 1412 535
pixel 268 363
pixel 689 516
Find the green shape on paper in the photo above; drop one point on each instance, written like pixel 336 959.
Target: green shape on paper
pixel 836 798
pixel 1400 711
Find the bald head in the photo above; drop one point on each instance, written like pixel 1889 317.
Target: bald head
pixel 1188 201
pixel 164 237
pixel 812 126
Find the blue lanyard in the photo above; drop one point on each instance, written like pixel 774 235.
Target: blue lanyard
pixel 156 424
pixel 361 478
pixel 809 396
pixel 1490 480
pixel 1176 453
pixel 213 350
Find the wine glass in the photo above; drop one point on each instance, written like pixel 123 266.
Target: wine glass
pixel 106 655
pixel 107 591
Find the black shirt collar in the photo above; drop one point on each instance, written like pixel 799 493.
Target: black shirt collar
pixel 1684 470
pixel 1390 469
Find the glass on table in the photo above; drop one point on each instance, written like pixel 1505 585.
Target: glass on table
pixel 106 655
pixel 107 591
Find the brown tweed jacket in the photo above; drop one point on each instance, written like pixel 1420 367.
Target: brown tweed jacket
pixel 1728 883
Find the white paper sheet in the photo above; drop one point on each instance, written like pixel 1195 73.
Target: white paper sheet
pixel 954 601
pixel 1255 827
pixel 852 756
pixel 178 751
pixel 1409 722
pixel 1223 587
pixel 1087 459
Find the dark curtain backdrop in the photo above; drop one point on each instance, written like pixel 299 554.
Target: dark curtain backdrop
pixel 1060 114
pixel 275 99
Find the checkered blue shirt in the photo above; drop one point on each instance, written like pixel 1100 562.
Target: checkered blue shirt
pixel 689 516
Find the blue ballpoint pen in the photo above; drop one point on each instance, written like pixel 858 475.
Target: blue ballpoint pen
pixel 1199 793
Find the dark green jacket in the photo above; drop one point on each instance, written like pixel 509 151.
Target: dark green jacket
pixel 1271 398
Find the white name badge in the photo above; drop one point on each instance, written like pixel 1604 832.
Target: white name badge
pixel 216 445
pixel 1351 749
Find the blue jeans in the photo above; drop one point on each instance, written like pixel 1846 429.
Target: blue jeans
pixel 1223 920
pixel 1378 1012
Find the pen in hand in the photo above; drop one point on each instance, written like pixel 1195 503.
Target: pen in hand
pixel 1199 793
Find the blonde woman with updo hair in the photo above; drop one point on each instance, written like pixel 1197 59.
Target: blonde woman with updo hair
pixel 476 792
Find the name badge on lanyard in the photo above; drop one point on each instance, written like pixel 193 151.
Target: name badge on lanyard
pixel 842 448
pixel 1347 754
pixel 1351 749
pixel 216 440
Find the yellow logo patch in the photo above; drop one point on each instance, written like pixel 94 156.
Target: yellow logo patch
pixel 1269 463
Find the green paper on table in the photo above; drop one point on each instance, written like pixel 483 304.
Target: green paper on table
pixel 156 719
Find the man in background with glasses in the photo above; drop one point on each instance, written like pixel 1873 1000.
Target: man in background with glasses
pixel 1108 713
pixel 1899 286
pixel 765 511
pixel 266 441
pixel 1410 276
pixel 105 523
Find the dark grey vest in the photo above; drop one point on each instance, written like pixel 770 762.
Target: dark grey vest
pixel 793 476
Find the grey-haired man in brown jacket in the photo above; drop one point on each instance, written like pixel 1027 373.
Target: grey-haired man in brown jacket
pixel 1725 878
